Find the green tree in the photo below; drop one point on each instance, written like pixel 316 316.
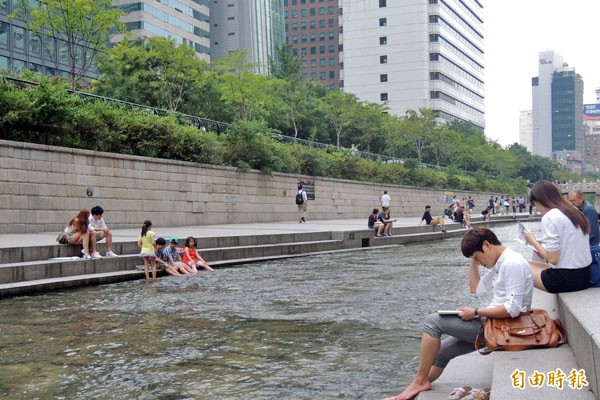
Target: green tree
pixel 338 107
pixel 153 71
pixel 80 28
pixel 249 92
pixel 285 66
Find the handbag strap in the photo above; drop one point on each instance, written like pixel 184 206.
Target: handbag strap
pixel 561 329
pixel 480 344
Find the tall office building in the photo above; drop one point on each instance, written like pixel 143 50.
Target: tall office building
pixel 526 129
pixel 185 21
pixel 557 100
pixel 414 54
pixel 255 26
pixel 591 125
pixel 312 28
pixel 567 109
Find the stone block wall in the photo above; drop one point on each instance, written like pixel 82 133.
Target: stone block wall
pixel 42 187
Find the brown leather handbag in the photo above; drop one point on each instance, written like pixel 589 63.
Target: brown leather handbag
pixel 529 330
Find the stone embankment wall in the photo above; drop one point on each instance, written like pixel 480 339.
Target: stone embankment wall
pixel 42 187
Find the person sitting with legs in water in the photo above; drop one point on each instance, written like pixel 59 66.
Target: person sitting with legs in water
pixel 509 279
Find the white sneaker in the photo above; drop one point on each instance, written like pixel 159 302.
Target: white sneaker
pixel 87 257
pixel 111 254
pixel 96 255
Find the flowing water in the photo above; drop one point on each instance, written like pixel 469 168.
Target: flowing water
pixel 332 326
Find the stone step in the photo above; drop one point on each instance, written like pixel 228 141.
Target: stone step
pixel 580 313
pixel 35 270
pixel 66 282
pixel 544 362
pixel 471 369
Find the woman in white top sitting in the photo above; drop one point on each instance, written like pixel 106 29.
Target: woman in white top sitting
pixel 78 231
pixel 564 244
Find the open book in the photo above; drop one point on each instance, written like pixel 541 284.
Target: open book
pixel 521 234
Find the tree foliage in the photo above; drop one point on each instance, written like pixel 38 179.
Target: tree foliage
pixel 79 29
pixel 152 71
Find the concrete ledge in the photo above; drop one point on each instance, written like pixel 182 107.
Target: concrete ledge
pixel 470 369
pixel 529 361
pixel 579 313
pixel 42 285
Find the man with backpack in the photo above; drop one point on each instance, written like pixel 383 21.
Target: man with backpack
pixel 302 203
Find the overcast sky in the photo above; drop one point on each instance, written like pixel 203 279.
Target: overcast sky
pixel 515 32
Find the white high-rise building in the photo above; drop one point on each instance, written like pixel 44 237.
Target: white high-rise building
pixel 414 54
pixel 255 26
pixel 526 129
pixel 541 90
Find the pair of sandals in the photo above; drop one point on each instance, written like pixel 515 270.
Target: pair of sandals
pixel 468 393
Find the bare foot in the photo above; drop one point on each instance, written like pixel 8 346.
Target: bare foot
pixel 412 391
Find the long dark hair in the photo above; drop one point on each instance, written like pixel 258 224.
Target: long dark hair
pixel 189 239
pixel 146 226
pixel 548 195
pixel 80 220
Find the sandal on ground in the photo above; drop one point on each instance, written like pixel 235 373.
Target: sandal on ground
pixel 478 394
pixel 459 393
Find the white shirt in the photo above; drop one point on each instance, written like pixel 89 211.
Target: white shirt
pixel 559 234
pixel 385 200
pixel 510 281
pixel 96 223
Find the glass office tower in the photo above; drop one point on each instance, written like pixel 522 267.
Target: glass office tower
pixel 255 26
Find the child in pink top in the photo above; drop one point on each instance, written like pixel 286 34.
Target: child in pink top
pixel 191 256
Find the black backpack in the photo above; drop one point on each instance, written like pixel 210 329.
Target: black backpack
pixel 299 198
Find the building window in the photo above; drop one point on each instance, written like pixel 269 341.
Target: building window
pixel 303 26
pixel 382 21
pixel 321 36
pixel 322 62
pixel 313 24
pixel 331 22
pixel 295 52
pixel 332 61
pixel 303 12
pixel 18 66
pixel 331 35
pixel 330 10
pixel 3 34
pixel 294 39
pixel 312 11
pixel 313 50
pixel 313 37
pixel 323 75
pixel 18 38
pixel 231 34
pixel 321 23
pixel 383 96
pixel 230 18
pixel 331 74
pixel 294 26
pixel 313 63
pixel 382 3
pixel 383 40
pixel 383 78
pixel 383 59
pixel 321 10
pixel 321 49
pixel 313 75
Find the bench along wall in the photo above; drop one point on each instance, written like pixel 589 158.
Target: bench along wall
pixel 42 187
